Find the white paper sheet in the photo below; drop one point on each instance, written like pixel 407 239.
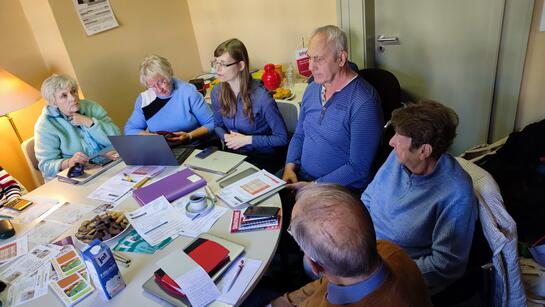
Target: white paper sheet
pixel 95 15
pixel 194 227
pixel 198 287
pixel 231 296
pixel 46 232
pixel 40 206
pixel 12 271
pixel 14 249
pixel 115 189
pixel 29 287
pixel 70 213
pixel 157 221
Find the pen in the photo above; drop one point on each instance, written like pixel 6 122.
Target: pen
pixel 120 257
pixel 6 217
pixel 196 216
pixel 128 178
pixel 141 183
pixel 239 269
pixel 163 223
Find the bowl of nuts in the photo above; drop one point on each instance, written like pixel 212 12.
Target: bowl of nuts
pixel 106 227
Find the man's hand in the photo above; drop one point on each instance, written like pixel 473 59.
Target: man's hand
pixel 235 140
pixel 280 302
pixel 81 120
pixel 289 175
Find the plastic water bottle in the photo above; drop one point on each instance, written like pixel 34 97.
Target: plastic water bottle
pixel 289 77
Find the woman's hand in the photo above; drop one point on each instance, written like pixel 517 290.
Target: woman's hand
pixel 81 120
pixel 178 137
pixel 235 140
pixel 78 157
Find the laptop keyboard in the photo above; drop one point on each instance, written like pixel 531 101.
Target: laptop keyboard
pixel 182 153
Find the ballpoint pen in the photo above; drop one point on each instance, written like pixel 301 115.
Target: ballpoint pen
pixel 138 185
pixel 141 183
pixel 127 177
pixel 239 269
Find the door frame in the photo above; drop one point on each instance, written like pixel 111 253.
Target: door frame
pixel 357 19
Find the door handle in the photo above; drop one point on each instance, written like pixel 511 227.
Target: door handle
pixel 388 39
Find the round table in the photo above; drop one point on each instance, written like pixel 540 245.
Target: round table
pixel 259 245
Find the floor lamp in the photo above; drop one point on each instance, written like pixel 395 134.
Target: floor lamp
pixel 15 94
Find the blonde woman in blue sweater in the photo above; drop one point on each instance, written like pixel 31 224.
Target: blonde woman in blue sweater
pixel 69 130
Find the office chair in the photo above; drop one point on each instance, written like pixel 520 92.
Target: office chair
pixel 389 91
pixel 290 114
pixel 28 150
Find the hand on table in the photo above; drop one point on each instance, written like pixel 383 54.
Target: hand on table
pixel 235 140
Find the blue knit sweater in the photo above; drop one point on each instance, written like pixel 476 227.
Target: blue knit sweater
pixel 56 139
pixel 432 217
pixel 337 143
pixel 268 129
pixel 185 111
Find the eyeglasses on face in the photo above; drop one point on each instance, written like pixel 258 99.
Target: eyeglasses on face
pixel 215 64
pixel 161 83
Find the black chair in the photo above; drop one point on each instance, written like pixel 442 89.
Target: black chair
pixel 389 91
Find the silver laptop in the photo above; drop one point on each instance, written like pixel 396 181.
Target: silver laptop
pixel 149 150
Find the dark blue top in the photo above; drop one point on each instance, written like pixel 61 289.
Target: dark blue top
pixel 336 143
pixel 268 129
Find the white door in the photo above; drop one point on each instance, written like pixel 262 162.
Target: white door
pixel 445 51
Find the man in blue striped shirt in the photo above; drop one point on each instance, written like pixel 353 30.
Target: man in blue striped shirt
pixel 340 123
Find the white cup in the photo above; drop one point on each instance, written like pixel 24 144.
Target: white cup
pixel 197 201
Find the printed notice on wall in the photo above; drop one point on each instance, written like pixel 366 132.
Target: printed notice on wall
pixel 95 15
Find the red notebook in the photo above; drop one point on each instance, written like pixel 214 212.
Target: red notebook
pixel 210 255
pixel 172 187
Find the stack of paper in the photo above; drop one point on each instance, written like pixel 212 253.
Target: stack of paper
pixel 251 188
pixel 157 221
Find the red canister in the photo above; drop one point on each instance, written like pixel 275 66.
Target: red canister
pixel 271 78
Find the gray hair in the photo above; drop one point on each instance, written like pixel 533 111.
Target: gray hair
pixel 155 65
pixel 335 230
pixel 56 83
pixel 333 35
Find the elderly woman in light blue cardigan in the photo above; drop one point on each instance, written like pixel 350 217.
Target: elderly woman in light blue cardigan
pixel 69 130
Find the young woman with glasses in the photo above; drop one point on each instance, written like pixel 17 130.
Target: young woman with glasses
pixel 245 114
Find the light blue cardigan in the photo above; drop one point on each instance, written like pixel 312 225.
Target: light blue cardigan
pixel 56 139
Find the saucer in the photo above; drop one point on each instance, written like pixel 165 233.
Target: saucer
pixel 194 213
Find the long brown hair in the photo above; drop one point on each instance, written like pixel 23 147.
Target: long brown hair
pixel 227 100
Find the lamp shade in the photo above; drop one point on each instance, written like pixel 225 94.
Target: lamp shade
pixel 15 94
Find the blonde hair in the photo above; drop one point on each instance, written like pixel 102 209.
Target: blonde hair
pixel 56 83
pixel 155 65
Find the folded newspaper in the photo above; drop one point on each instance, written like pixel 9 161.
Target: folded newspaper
pixel 250 188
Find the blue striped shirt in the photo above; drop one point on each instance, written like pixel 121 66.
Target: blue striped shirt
pixel 337 142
